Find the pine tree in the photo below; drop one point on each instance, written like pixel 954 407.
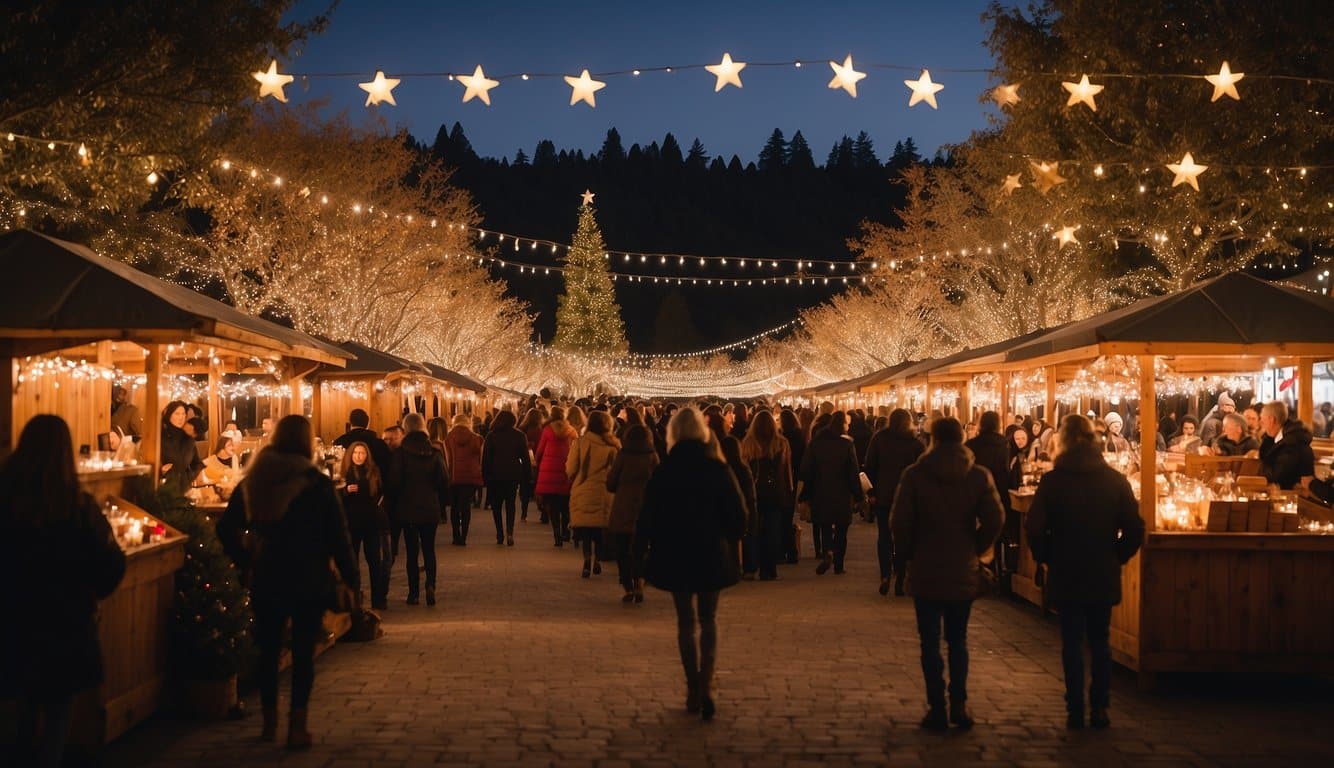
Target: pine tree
pixel 698 156
pixel 863 152
pixel 588 318
pixel 799 153
pixel 774 151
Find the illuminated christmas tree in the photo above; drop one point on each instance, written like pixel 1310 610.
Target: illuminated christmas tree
pixel 588 319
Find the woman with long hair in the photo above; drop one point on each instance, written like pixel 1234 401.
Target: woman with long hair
pixel 792 431
pixel 587 465
pixel 531 427
pixel 627 480
pixel 62 559
pixel 282 527
pixel 463 457
pixel 730 447
pixel 689 528
pixel 363 502
pixel 553 448
pixel 505 467
pixel 831 484
pixel 769 459
pixel 180 455
pixel 577 418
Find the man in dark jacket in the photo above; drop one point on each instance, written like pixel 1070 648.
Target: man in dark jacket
pixel 416 494
pixel 360 433
pixel 991 451
pixel 1084 524
pixel 1233 440
pixel 1285 451
pixel 892 450
pixel 946 513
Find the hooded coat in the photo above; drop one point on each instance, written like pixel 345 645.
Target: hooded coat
pixel 587 465
pixel 1288 460
pixel 417 488
pixel 553 448
pixel 946 512
pixel 692 520
pixel 991 451
pixel 829 471
pixel 463 449
pixel 282 527
pixel 1084 524
pixel 888 455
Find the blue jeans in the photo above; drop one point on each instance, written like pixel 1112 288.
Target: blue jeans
pixel 1077 619
pixel 954 615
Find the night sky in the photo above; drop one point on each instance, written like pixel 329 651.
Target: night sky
pixel 565 37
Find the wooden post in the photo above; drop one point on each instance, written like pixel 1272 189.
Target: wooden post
pixel 966 400
pixel 1306 389
pixel 297 402
pixel 1148 448
pixel 317 407
pixel 930 406
pixel 101 390
pixel 1049 408
pixel 214 412
pixel 1004 388
pixel 150 446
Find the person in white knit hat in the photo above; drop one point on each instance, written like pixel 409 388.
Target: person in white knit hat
pixel 1116 442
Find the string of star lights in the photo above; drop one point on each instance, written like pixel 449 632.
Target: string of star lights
pixel 727 72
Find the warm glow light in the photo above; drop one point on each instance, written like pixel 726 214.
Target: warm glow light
pixel 583 87
pixel 477 85
pixel 1011 184
pixel 1066 236
pixel 1006 95
pixel 923 90
pixel 1187 172
pixel 1082 91
pixel 1225 83
pixel 381 89
pixel 1045 176
pixel 727 71
pixel 271 83
pixel 845 76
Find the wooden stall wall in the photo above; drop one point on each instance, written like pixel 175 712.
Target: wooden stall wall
pixel 84 403
pixel 1124 637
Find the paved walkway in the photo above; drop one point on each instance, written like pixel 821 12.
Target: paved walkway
pixel 524 663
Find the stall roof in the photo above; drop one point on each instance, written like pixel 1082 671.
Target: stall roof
pixel 886 375
pixel 454 377
pixel 965 355
pixel 369 361
pixel 1231 311
pixel 62 291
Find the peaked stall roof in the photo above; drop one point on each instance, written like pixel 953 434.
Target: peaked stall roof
pixel 70 293
pixel 370 361
pixel 1232 310
pixel 964 355
pixel 454 377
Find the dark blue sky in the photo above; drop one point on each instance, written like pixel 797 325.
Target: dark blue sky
pixel 566 37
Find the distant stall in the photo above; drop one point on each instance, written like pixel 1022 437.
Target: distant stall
pixel 377 382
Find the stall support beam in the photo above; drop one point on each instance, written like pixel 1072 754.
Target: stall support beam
pixel 1306 389
pixel 1148 449
pixel 214 413
pixel 150 447
pixel 317 407
pixel 1004 388
pixel 1049 412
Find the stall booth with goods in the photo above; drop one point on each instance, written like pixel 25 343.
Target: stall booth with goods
pixel 74 327
pixel 453 393
pixel 377 382
pixel 1231 577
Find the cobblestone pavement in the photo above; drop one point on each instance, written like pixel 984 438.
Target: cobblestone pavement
pixel 525 663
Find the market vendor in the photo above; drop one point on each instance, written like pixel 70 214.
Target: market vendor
pixel 1285 452
pixel 1113 440
pixel 1234 440
pixel 222 467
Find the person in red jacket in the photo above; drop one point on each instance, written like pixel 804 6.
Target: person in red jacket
pixel 463 456
pixel 552 483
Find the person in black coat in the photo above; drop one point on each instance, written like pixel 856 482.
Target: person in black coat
pixel 180 463
pixel 281 528
pixel 361 433
pixel 362 495
pixel 61 559
pixel 416 494
pixel 991 451
pixel 1084 524
pixel 891 451
pixel 687 536
pixel 796 442
pixel 829 473
pixel 1285 450
pixel 506 466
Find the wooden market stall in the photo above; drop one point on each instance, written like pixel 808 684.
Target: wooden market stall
pixel 454 393
pixel 1229 585
pixel 73 325
pixel 377 382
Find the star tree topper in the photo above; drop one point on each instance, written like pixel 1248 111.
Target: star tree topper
pixel 846 77
pixel 477 84
pixel 1082 91
pixel 1225 83
pixel 923 90
pixel 588 196
pixel 583 89
pixel 380 89
pixel 271 83
pixel 1186 172
pixel 727 71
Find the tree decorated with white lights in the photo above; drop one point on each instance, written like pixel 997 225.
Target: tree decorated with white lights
pixel 588 319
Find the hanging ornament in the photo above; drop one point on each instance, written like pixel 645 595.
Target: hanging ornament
pixel 1082 91
pixel 923 90
pixel 380 89
pixel 1065 235
pixel 271 83
pixel 1186 171
pixel 477 84
pixel 1225 83
pixel 583 89
pixel 1006 95
pixel 1011 184
pixel 845 76
pixel 588 196
pixel 1045 176
pixel 727 71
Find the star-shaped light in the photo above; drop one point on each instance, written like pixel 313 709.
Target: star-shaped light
pixel 923 90
pixel 271 83
pixel 1066 236
pixel 1011 184
pixel 1225 83
pixel 588 196
pixel 477 84
pixel 380 89
pixel 1082 91
pixel 584 88
pixel 845 76
pixel 1186 171
pixel 1006 95
pixel 727 71
pixel 1045 176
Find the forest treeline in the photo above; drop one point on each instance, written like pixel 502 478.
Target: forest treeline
pixel 664 197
